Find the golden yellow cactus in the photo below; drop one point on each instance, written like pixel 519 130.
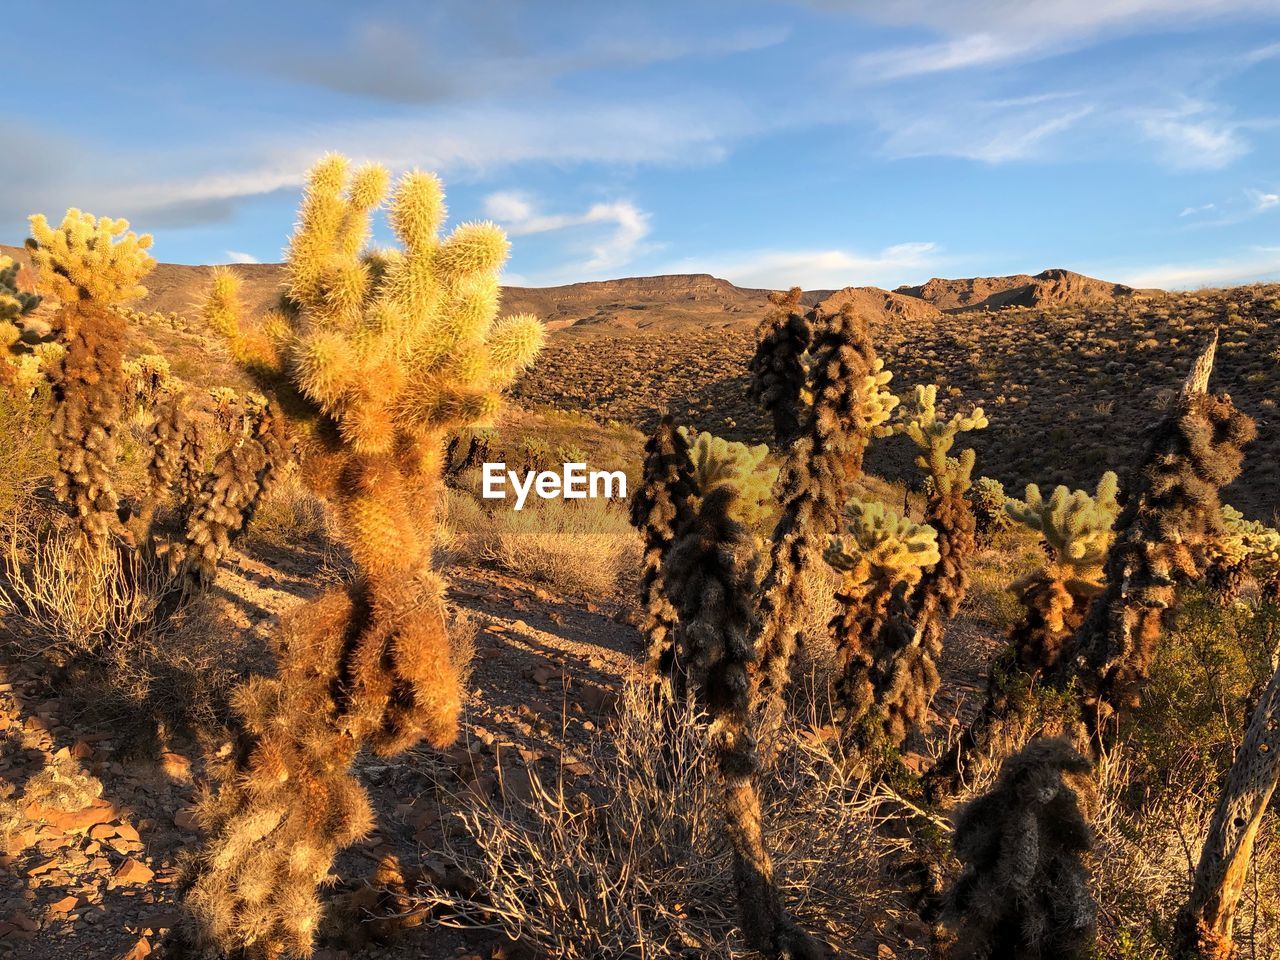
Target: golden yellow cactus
pixel 878 545
pixel 89 258
pixel 718 462
pixel 399 343
pixel 936 437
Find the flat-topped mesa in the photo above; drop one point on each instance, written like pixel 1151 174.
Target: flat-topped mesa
pixel 1053 286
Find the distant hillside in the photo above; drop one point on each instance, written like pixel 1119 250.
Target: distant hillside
pixel 1045 289
pixel 668 303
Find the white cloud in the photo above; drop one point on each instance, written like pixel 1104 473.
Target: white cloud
pixel 819 269
pixel 1260 264
pixel 518 214
pixel 979 33
pixel 239 256
pixel 990 131
pixel 1196 211
pixel 158 188
pixel 1263 201
pixel 1189 140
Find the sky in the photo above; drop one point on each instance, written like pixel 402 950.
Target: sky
pixel 820 143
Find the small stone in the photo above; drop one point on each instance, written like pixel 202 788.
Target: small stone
pixel 133 872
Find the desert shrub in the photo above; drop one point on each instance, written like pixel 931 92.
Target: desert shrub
pixel 1159 786
pixel 587 548
pixel 63 602
pixel 639 866
pixel 25 455
pixel 289 514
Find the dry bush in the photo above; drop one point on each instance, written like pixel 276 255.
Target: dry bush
pixel 64 600
pixel 127 650
pixel 1161 786
pixel 26 457
pixel 639 865
pixel 587 548
pixel 288 515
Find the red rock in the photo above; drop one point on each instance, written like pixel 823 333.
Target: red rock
pixel 176 765
pixel 65 905
pixel 21 921
pixel 185 820
pixel 133 872
pixel 126 832
pixel 139 950
pixel 75 819
pixel 81 750
pixel 101 831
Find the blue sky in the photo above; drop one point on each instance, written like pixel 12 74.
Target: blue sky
pixel 817 142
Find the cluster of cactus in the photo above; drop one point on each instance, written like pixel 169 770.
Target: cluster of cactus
pixel 1244 548
pixel 987 500
pixel 380 355
pixel 711 626
pixel 905 649
pixel 1162 537
pixel 1024 888
pixel 717 461
pixel 1076 530
pixel 89 265
pixel 881 557
pixel 148 381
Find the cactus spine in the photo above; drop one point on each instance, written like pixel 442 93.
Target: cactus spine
pixel 380 355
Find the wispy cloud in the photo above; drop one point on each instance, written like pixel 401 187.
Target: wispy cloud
pixel 182 188
pixel 1257 265
pixel 1192 137
pixel 987 33
pixel 403 61
pixel 820 269
pixel 987 131
pixel 239 256
pixel 1263 201
pixel 1196 211
pixel 630 225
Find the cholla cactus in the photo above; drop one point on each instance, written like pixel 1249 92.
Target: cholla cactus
pixel 148 380
pixel 909 640
pixel 880 555
pixel 241 476
pixel 935 438
pixel 90 266
pixel 1024 890
pixel 1077 532
pixel 1162 538
pixel 13 302
pixel 1244 547
pixel 660 510
pixel 780 366
pixel 987 500
pixel 383 354
pixel 710 573
pixel 813 482
pixel 717 461
pixel 87 259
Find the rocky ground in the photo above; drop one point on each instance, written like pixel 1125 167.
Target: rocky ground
pixel 91 830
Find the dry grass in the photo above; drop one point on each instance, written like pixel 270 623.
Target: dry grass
pixel 640 866
pixel 586 548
